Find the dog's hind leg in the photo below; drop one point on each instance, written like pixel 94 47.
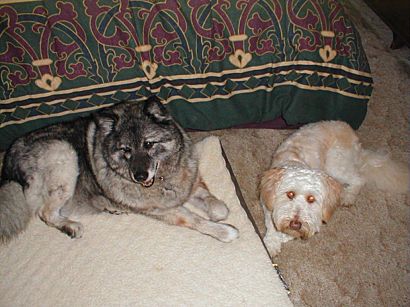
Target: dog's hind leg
pixel 53 185
pixel 342 164
pixel 202 199
pixel 181 216
pixel 50 213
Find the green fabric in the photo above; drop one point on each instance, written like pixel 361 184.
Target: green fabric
pixel 264 106
pixel 215 64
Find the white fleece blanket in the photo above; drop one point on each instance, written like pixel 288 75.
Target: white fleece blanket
pixel 132 260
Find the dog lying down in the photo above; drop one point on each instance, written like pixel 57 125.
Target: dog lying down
pixel 316 169
pixel 132 157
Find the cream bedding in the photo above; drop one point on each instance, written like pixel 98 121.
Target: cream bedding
pixel 132 260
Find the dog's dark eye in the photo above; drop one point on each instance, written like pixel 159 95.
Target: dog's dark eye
pixel 125 149
pixel 148 145
pixel 290 194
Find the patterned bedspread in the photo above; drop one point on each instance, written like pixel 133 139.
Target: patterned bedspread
pixel 215 63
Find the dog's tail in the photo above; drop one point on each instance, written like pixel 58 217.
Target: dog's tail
pixel 379 169
pixel 15 214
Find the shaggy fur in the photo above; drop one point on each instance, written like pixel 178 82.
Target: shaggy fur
pixel 131 158
pixel 316 169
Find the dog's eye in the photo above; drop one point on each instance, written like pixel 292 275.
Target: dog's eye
pixel 290 194
pixel 125 149
pixel 310 199
pixel 148 145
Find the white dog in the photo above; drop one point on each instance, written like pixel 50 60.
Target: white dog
pixel 319 167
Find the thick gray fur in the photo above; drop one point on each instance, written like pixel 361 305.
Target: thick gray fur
pixel 132 157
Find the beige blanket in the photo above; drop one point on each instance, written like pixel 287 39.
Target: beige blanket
pixel 132 260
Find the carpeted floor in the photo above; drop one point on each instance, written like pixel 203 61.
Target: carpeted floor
pixel 362 257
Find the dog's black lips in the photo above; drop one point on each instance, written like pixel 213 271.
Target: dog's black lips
pixel 146 184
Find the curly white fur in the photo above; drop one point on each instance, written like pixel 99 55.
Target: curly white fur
pixel 319 167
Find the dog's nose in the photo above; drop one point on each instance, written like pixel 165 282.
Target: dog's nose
pixel 142 176
pixel 295 225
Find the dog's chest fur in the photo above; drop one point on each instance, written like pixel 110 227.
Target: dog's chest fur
pixel 166 192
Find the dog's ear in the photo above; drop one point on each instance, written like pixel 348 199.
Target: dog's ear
pixel 267 186
pixel 156 110
pixel 105 120
pixel 331 200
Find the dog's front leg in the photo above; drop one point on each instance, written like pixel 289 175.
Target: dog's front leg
pixel 181 216
pixel 273 239
pixel 203 200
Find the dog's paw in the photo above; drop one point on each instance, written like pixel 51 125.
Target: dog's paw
pixel 74 230
pixel 115 212
pixel 347 201
pixel 273 248
pixel 218 211
pixel 272 245
pixel 227 233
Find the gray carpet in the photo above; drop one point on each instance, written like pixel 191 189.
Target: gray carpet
pixel 362 257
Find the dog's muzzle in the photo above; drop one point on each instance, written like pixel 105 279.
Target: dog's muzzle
pixel 143 179
pixel 295 228
pixel 295 225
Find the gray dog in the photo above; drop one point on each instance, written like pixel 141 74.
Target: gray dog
pixel 132 157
